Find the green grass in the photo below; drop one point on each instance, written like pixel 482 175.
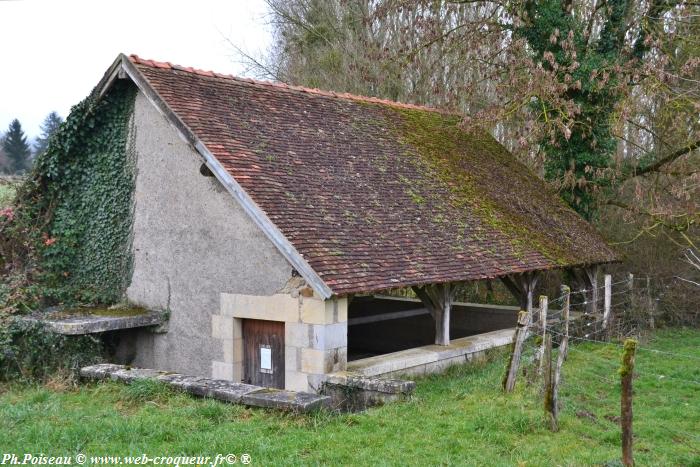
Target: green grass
pixel 458 418
pixel 7 192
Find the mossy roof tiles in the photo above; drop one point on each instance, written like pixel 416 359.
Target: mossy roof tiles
pixel 376 194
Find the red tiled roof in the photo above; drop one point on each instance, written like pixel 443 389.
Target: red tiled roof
pixel 376 194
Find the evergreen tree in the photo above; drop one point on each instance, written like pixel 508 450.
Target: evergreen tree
pixel 49 127
pixel 16 148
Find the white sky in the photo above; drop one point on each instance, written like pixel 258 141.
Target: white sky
pixel 53 52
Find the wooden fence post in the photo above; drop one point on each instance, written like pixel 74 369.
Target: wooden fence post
pixel 652 303
pixel 544 307
pixel 626 375
pixel 521 331
pixel 565 309
pixel 608 299
pixel 550 403
pixel 553 396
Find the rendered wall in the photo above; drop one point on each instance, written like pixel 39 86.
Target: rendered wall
pixel 192 242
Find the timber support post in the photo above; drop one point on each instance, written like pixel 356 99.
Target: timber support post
pixel 438 300
pixel 591 274
pixel 522 286
pixel 626 375
pixel 521 332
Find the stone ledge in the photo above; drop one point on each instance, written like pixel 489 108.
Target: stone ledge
pixel 228 391
pixel 79 322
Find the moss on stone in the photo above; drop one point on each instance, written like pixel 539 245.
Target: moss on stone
pixel 99 311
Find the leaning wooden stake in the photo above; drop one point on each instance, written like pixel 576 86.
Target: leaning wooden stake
pixel 518 340
pixel 550 403
pixel 626 373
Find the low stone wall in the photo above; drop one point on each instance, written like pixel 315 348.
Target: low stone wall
pixel 431 358
pixel 351 392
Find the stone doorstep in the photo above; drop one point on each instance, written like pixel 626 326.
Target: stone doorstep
pixel 237 393
pixel 383 385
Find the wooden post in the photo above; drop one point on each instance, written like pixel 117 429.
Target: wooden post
pixel 652 303
pixel 549 397
pixel 518 340
pixel 630 287
pixel 592 298
pixel 539 356
pixel 552 374
pixel 565 310
pixel 608 300
pixel 438 300
pixel 626 375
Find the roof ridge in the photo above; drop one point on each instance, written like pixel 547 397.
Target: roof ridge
pixel 279 85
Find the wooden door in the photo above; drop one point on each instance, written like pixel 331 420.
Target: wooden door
pixel 263 353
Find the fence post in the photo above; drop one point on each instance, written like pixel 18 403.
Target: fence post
pixel 608 299
pixel 550 403
pixel 518 341
pixel 626 374
pixel 565 307
pixel 544 308
pixel 652 303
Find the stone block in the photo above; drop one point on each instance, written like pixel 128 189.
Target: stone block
pixel 128 375
pixel 99 371
pixel 285 400
pixel 278 307
pixel 296 381
pixel 329 336
pixel 227 347
pixel 313 311
pixel 316 361
pixel 297 334
pixel 221 327
pixel 291 358
pixel 222 370
pixel 237 350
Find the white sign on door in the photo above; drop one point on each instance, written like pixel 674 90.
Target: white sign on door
pixel 265 359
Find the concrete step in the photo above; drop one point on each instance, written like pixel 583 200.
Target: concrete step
pixel 229 391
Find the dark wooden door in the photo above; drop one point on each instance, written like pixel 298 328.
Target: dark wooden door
pixel 263 353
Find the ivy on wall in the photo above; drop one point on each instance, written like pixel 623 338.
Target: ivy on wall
pixel 72 218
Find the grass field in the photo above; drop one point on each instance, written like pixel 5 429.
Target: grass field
pixel 7 192
pixel 458 418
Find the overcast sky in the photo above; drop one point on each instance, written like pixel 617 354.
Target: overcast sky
pixel 53 52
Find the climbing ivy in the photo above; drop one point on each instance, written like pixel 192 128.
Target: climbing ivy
pixel 72 218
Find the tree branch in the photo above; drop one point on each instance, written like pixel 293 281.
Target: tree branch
pixel 665 160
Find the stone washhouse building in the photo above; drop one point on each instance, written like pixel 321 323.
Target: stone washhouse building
pixel 269 219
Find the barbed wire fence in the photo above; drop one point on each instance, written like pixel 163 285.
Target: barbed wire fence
pixel 624 310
